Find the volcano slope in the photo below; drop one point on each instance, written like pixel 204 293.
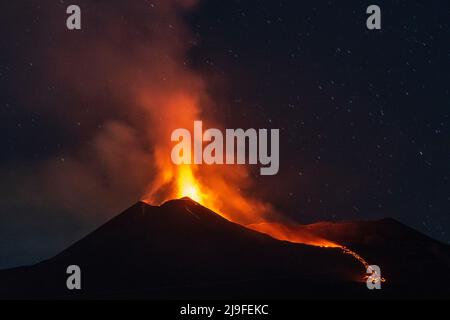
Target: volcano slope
pixel 182 250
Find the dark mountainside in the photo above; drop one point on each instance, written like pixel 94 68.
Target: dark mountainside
pixel 182 250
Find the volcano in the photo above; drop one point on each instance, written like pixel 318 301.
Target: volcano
pixel 183 250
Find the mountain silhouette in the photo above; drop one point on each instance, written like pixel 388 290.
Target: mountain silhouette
pixel 182 250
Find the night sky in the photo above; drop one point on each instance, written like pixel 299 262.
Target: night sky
pixel 364 116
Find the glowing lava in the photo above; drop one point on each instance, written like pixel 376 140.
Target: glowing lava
pixel 299 234
pixel 291 233
pixel 188 187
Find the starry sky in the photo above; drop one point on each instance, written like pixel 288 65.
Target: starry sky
pixel 364 116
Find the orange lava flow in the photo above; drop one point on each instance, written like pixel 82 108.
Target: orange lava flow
pixel 290 233
pixel 297 234
pixel 375 276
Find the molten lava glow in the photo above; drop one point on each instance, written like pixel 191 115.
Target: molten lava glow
pixel 300 234
pixel 291 233
pixel 187 186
